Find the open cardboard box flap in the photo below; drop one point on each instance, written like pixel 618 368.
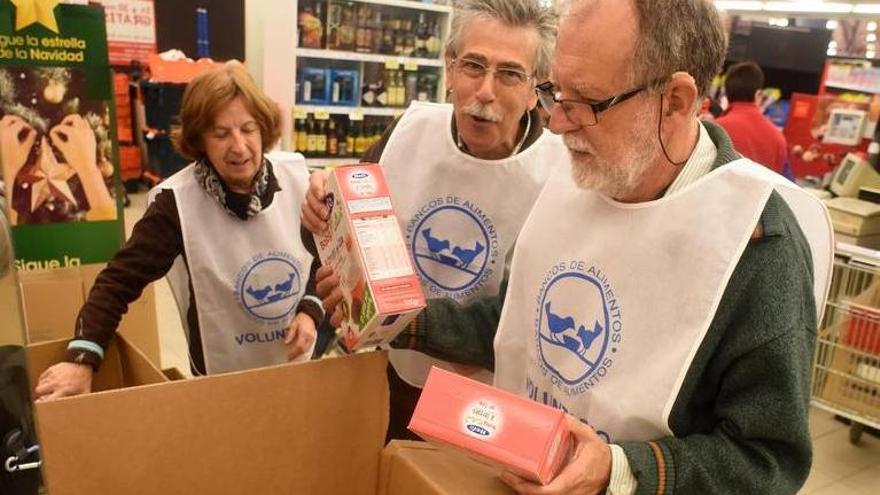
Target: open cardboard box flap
pixel 313 428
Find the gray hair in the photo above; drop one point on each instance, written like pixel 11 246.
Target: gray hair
pixel 674 35
pixel 515 13
pixel 679 35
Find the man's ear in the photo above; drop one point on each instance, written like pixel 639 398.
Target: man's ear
pixel 682 95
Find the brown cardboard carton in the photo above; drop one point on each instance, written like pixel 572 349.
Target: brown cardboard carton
pixel 410 468
pixel 52 299
pixel 315 428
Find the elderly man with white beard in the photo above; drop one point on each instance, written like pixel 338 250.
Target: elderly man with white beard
pixel 664 291
pixel 464 176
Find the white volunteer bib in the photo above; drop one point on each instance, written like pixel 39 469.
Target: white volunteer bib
pixel 248 276
pixel 460 214
pixel 604 313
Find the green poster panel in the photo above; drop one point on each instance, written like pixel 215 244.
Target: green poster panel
pixel 58 145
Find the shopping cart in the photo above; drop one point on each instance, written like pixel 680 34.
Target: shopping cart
pixel 846 367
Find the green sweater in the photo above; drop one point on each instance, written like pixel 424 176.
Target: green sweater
pixel 740 421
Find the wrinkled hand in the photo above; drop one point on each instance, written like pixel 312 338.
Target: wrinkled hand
pixel 327 286
pixel 314 213
pixel 300 338
pixel 76 141
pixel 587 473
pixel 16 140
pixel 64 379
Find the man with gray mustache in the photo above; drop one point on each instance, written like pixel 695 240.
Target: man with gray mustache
pixel 465 175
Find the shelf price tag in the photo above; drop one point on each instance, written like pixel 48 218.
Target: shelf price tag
pixel 299 113
pixel 356 116
pixel 392 64
pixel 322 114
pixel 411 65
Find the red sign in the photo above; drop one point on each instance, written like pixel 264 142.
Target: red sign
pixel 131 30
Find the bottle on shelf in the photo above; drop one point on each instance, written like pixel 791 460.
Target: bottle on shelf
pixel 332 139
pixel 421 37
pixel 434 44
pixel 349 138
pixel 321 138
pixel 312 142
pixel 302 136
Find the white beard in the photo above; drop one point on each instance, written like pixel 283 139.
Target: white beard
pixel 615 179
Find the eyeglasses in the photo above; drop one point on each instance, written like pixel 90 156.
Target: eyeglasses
pixel 580 111
pixel 477 70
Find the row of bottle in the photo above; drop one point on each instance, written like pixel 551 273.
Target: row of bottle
pixel 336 137
pixel 367 29
pixel 397 88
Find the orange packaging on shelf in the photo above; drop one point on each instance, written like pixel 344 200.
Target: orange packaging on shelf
pixel 493 426
pixel 364 246
pixel 178 71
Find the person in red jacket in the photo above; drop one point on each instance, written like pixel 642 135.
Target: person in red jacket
pixel 753 135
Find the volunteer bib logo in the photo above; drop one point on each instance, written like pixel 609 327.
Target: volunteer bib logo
pixel 269 285
pixel 577 326
pixel 454 245
pixel 362 183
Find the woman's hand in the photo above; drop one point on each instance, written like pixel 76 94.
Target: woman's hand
pixel 76 141
pixel 16 140
pixel 64 379
pixel 314 213
pixel 300 338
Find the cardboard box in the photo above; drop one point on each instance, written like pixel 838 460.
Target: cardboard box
pixel 364 245
pixel 52 300
pixel 315 428
pixel 497 427
pixel 410 468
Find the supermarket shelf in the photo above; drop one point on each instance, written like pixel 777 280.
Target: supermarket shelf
pixel 409 4
pixel 852 87
pixel 366 111
pixel 366 57
pixel 329 162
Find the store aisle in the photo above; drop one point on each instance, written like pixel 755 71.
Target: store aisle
pixel 839 468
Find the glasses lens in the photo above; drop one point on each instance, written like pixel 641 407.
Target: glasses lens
pixel 510 77
pixel 471 68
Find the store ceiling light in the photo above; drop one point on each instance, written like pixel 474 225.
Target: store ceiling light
pixel 868 8
pixel 831 52
pixel 869 54
pixel 872 26
pixel 871 37
pixel 812 6
pixel 831 25
pixel 739 5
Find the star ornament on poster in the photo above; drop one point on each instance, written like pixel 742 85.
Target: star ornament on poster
pixel 51 178
pixel 28 12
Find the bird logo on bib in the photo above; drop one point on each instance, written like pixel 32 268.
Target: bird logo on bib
pixel 578 329
pixel 454 245
pixel 269 285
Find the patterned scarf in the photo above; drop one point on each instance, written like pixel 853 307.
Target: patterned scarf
pixel 211 182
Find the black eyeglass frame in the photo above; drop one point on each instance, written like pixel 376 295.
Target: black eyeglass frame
pixel 547 89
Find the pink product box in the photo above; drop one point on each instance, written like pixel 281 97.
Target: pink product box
pixel 364 246
pixel 493 426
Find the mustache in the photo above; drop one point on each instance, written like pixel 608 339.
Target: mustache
pixel 575 143
pixel 480 111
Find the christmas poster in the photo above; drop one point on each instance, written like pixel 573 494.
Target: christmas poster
pixel 57 145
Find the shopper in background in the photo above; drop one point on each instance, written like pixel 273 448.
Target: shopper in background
pixel 465 175
pixel 663 291
pixel 226 232
pixel 753 135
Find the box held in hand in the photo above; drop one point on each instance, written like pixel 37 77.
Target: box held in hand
pixel 365 247
pixel 494 426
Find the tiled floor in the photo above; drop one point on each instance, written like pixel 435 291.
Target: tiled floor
pixel 839 468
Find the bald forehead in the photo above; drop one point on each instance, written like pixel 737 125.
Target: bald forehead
pixel 596 44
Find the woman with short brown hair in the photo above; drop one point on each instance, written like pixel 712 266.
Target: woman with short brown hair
pixel 225 230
